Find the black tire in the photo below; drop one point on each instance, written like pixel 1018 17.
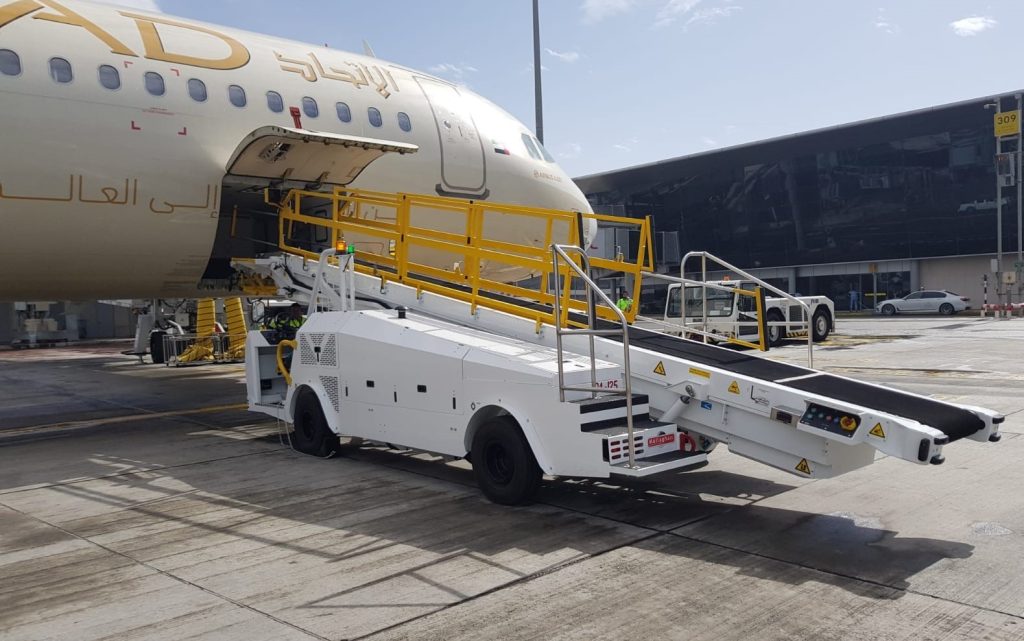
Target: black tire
pixel 156 347
pixel 888 310
pixel 821 324
pixel 503 463
pixel 946 309
pixel 311 434
pixel 776 334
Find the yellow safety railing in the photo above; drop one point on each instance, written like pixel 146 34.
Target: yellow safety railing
pixel 449 246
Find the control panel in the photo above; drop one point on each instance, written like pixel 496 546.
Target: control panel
pixel 830 419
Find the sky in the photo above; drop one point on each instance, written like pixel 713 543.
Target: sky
pixel 628 82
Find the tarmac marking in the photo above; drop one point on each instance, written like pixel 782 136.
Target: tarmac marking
pixel 73 425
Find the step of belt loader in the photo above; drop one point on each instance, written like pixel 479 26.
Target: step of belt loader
pixel 658 447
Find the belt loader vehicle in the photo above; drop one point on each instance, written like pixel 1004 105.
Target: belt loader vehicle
pixel 557 387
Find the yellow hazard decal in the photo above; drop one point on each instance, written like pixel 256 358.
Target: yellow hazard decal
pixel 734 387
pixel 877 431
pixel 700 372
pixel 803 466
pixel 660 368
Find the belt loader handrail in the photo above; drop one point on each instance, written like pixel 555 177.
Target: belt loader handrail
pixel 704 256
pixel 561 252
pixel 386 246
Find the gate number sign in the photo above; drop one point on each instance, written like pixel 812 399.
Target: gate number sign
pixel 1007 123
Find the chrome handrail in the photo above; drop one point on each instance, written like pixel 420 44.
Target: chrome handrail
pixel 559 252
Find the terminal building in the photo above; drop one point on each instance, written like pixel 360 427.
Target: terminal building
pixel 886 206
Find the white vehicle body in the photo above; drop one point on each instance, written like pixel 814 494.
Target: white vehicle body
pixel 436 376
pixel 732 315
pixel 129 148
pixel 927 301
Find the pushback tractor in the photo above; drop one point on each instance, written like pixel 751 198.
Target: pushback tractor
pixel 546 379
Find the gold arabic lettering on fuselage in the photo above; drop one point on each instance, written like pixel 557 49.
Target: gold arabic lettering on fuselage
pixel 311 70
pixel 153 45
pixel 112 195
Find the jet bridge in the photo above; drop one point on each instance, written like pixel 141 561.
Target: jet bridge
pixel 667 400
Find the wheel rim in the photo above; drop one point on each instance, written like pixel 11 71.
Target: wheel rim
pixel 946 309
pixel 500 466
pixel 821 325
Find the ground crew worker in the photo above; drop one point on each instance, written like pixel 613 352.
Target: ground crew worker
pixel 286 325
pixel 625 302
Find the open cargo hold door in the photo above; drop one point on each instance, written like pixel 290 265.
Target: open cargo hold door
pixel 288 157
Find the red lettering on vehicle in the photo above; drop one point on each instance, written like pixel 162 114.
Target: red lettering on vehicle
pixel 654 441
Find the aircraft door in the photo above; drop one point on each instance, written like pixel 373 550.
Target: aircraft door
pixel 463 162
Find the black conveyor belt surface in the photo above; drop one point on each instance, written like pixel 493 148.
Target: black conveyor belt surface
pixel 954 422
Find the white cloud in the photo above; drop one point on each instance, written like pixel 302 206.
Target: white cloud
pixel 454 71
pixel 712 15
pixel 621 147
pixel 598 10
pixel 673 10
pixel 570 150
pixel 144 5
pixel 568 56
pixel 882 23
pixel 709 142
pixel 966 27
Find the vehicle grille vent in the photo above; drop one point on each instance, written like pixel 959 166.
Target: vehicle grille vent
pixel 307 345
pixel 329 354
pixel 330 384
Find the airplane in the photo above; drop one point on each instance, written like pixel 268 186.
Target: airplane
pixel 135 141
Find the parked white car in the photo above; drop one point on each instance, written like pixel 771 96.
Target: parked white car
pixel 927 301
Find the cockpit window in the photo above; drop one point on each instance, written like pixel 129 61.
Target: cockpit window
pixel 10 63
pixel 60 70
pixel 530 147
pixel 544 152
pixel 155 83
pixel 109 77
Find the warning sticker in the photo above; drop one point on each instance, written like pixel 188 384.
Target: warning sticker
pixel 660 368
pixel 734 387
pixel 877 431
pixel 700 372
pixel 803 466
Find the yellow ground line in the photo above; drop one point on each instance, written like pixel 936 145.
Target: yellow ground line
pixel 71 425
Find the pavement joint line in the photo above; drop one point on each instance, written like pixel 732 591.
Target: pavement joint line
pixel 841 575
pixel 174 577
pixel 158 468
pixel 146 414
pixel 514 582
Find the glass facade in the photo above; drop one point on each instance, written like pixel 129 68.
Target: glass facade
pixel 909 186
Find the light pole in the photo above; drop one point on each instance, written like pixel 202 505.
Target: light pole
pixel 539 103
pixel 998 106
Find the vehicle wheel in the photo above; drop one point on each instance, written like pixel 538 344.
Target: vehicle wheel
pixel 156 347
pixel 946 309
pixel 503 463
pixel 888 310
pixel 312 435
pixel 776 333
pixel 821 325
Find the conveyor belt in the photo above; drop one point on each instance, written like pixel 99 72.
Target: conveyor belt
pixel 954 422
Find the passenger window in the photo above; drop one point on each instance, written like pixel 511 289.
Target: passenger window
pixel 60 70
pixel 10 63
pixel 197 90
pixel 236 95
pixel 274 102
pixel 344 113
pixel 403 121
pixel 109 77
pixel 530 147
pixel 375 117
pixel 310 108
pixel 155 83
